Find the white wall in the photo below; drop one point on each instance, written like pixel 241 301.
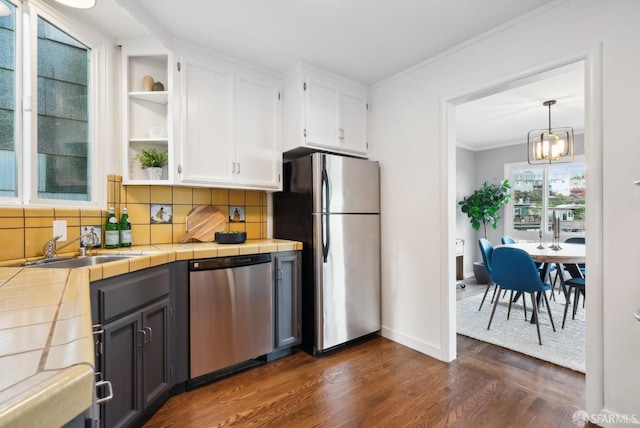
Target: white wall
pixel 465 186
pixel 408 122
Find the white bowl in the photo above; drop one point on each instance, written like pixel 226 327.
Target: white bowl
pixel 157 132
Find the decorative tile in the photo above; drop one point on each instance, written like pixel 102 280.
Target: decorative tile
pixel 236 214
pixel 161 214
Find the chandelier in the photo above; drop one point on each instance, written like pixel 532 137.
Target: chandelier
pixel 553 145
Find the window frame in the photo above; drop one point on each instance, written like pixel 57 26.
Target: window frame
pixel 26 92
pixel 509 169
pixel 19 110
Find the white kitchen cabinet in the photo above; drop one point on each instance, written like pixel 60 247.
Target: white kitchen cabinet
pixel 231 127
pixel 147 114
pixel 207 148
pixel 258 133
pixel 324 111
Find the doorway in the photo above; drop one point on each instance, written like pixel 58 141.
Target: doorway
pixel 592 149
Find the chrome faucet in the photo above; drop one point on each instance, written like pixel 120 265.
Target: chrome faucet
pixel 50 249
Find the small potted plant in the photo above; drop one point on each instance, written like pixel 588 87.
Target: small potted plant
pixel 153 161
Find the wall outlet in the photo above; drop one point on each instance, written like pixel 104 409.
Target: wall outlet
pixel 60 229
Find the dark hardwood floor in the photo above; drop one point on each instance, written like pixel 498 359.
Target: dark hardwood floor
pixel 379 383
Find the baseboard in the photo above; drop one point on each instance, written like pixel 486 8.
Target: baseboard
pixel 412 342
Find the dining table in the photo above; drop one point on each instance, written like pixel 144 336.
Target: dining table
pixel 568 255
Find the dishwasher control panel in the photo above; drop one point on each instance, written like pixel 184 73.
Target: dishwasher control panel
pixel 228 262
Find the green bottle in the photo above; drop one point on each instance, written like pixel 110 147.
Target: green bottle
pixel 111 232
pixel 125 229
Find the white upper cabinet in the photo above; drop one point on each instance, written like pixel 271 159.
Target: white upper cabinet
pixel 324 111
pixel 147 109
pixel 208 151
pixel 231 127
pixel 258 133
pixel 354 122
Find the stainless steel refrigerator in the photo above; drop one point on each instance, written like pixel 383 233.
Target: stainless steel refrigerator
pixel 332 204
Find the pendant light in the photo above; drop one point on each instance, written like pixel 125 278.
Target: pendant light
pixel 553 145
pixel 78 4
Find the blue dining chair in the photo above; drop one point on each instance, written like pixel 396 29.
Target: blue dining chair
pixel 578 240
pixel 486 249
pixel 513 269
pixel 577 285
pixel 572 269
pixel 509 240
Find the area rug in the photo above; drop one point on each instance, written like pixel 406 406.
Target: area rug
pixel 564 347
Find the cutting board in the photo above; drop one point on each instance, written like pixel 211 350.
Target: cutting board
pixel 203 223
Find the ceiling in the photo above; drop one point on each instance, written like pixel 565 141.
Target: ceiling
pixel 506 117
pixel 365 40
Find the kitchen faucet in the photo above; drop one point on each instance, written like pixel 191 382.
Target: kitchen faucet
pixel 50 249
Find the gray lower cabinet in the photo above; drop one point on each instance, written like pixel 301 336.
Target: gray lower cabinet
pixel 134 310
pixel 287 299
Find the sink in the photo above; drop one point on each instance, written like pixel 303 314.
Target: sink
pixel 76 262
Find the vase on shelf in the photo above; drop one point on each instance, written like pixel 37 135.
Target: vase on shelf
pixel 155 173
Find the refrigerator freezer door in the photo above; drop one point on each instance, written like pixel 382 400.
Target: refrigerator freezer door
pixel 345 185
pixel 348 284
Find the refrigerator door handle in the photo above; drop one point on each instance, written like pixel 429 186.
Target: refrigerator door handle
pixel 326 232
pixel 324 187
pixel 326 237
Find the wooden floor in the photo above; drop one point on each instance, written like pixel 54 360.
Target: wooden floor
pixel 379 383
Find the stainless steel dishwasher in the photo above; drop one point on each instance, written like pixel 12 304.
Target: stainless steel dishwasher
pixel 230 301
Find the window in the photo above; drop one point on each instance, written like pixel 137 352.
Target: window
pixel 540 191
pixel 8 117
pixel 52 128
pixel 63 115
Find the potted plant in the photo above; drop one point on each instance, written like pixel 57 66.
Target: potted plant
pixel 153 161
pixel 482 208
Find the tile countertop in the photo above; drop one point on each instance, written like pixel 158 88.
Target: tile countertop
pixel 46 342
